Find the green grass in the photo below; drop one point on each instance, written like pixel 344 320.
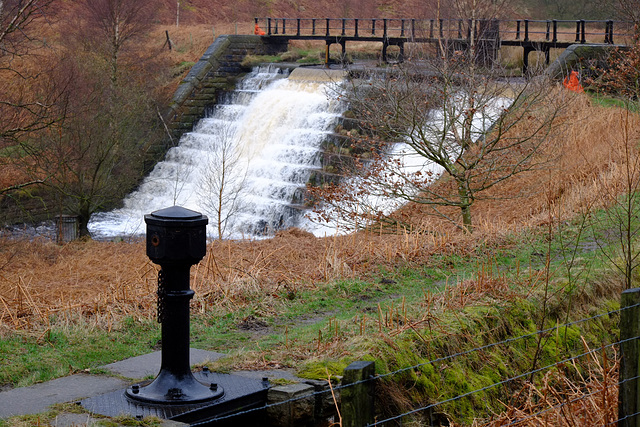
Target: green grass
pixel 612 101
pixel 63 350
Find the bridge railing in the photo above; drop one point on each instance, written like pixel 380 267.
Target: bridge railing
pixel 567 31
pixel 366 28
pixel 517 31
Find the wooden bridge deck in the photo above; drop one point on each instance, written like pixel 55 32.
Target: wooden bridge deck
pixel 489 35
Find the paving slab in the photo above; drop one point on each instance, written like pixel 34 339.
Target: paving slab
pixel 271 374
pixel 74 420
pixel 86 420
pixel 38 397
pixel 148 365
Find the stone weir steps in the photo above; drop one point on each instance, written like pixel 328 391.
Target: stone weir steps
pixel 218 71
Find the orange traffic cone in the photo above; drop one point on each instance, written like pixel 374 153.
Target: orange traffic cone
pixel 572 82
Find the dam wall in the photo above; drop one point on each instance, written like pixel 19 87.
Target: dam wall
pixel 218 70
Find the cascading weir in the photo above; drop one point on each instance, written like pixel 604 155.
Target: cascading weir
pixel 243 165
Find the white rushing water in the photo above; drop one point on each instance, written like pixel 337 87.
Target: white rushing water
pixel 244 165
pixel 405 165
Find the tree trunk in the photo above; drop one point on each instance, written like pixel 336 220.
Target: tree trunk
pixel 83 226
pixel 84 215
pixel 465 206
pixel 466 219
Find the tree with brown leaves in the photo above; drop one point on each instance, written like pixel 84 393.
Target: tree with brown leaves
pixel 446 117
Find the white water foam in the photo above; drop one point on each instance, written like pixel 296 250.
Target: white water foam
pixel 267 140
pixel 405 164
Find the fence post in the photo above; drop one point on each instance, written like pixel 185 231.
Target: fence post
pixel 611 32
pixel 357 401
pixel 629 396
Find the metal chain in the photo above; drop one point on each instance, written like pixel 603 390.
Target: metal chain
pixel 161 296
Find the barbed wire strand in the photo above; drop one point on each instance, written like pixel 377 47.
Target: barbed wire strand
pixel 507 341
pixel 535 371
pixel 622 419
pixel 561 404
pixel 440 359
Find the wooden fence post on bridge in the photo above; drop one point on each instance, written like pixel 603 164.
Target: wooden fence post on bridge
pixel 357 401
pixel 629 396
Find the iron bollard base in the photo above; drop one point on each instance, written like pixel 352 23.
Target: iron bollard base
pixel 241 393
pixel 170 389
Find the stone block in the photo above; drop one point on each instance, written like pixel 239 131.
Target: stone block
pixel 299 412
pixel 183 92
pixel 199 70
pixel 195 103
pixel 215 81
pixel 192 111
pixel 325 405
pixel 206 94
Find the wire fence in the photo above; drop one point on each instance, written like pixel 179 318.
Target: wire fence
pixel 397 419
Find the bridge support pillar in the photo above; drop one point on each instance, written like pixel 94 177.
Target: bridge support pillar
pixel 545 48
pixel 386 44
pixel 525 58
pixel 342 43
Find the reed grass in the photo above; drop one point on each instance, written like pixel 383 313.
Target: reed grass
pixel 105 281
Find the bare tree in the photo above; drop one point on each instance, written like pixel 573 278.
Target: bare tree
pixel 451 119
pixel 223 180
pixel 111 24
pixel 619 243
pixel 25 96
pixel 95 154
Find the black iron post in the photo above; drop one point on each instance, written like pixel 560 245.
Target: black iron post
pixel 176 240
pixel 548 33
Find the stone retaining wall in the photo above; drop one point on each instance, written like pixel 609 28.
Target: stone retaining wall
pixel 218 70
pixel 585 58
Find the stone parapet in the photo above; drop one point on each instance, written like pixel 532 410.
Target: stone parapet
pixel 218 70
